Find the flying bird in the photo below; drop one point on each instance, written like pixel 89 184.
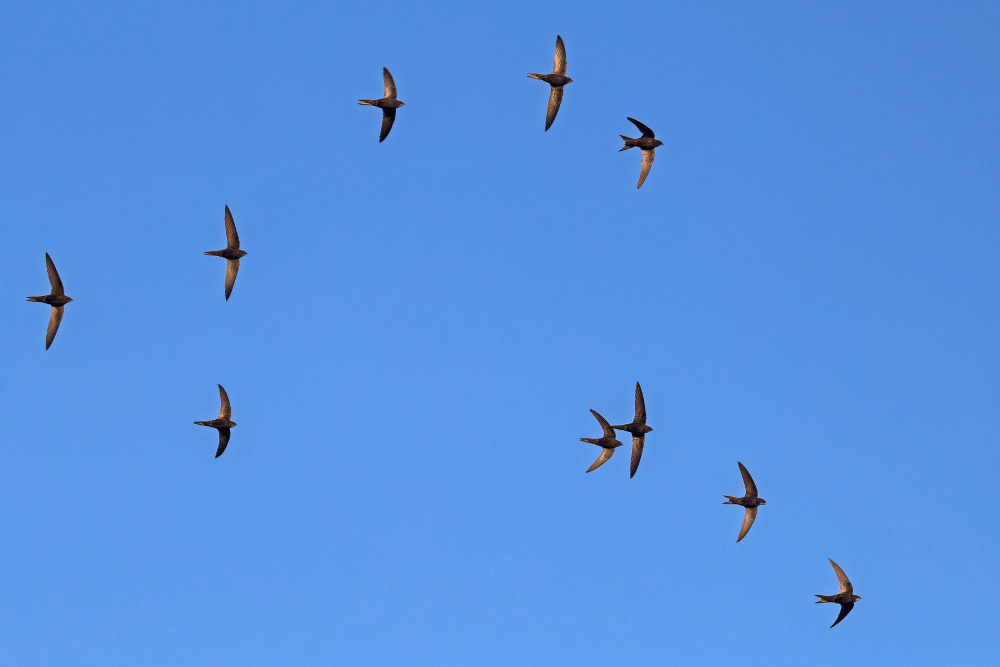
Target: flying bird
pixel 750 501
pixel 607 442
pixel 387 104
pixel 232 253
pixel 845 598
pixel 648 143
pixel 57 299
pixel 638 429
pixel 557 80
pixel 222 423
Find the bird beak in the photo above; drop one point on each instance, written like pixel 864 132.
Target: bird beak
pixel 69 299
pixel 569 80
pixel 402 104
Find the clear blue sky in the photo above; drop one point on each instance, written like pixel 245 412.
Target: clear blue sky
pixel 807 282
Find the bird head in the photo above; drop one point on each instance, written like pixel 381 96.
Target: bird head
pixel 762 501
pixel 855 598
pixel 68 299
pixel 657 142
pixel 569 80
pixel 402 104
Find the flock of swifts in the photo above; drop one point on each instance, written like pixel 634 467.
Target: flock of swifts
pixel 389 103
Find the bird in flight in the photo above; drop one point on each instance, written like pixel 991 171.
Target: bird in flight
pixel 222 423
pixel 750 501
pixel 232 253
pixel 388 104
pixel 57 299
pixel 607 442
pixel 557 80
pixel 845 597
pixel 638 429
pixel 648 143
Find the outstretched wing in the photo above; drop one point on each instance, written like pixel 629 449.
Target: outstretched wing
pixel 647 162
pixel 232 268
pixel 748 481
pixel 54 319
pixel 559 65
pixel 640 406
pixel 609 432
pixel 388 118
pixel 232 238
pixel 748 519
pixel 226 411
pixel 845 583
pixel 390 85
pixel 57 286
pixel 223 441
pixel 555 99
pixel 646 132
pixel 638 442
pixel 606 453
pixel 845 609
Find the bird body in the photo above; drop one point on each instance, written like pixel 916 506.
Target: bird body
pixel 607 442
pixel 557 80
pixel 647 142
pixel 231 253
pixel 845 597
pixel 638 429
pixel 750 501
pixel 57 299
pixel 222 423
pixel 388 104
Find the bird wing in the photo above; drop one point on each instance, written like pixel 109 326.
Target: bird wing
pixel 57 286
pixel 647 162
pixel 232 238
pixel 227 410
pixel 232 268
pixel 388 118
pixel 223 440
pixel 559 65
pixel 606 453
pixel 638 441
pixel 845 609
pixel 54 319
pixel 748 518
pixel 845 583
pixel 748 481
pixel 609 432
pixel 390 85
pixel 646 132
pixel 555 99
pixel 640 405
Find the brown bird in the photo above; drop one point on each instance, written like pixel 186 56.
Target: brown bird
pixel 232 253
pixel 845 597
pixel 222 423
pixel 387 104
pixel 557 80
pixel 750 501
pixel 647 142
pixel 57 299
pixel 607 442
pixel 638 429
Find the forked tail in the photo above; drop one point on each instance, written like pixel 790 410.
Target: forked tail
pixel 629 143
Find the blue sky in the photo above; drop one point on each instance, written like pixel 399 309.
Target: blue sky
pixel 807 282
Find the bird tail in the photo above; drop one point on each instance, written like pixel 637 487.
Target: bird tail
pixel 824 598
pixel 202 423
pixel 215 253
pixel 590 440
pixel 629 143
pixel 371 103
pixel 535 76
pixel 36 299
pixel 730 501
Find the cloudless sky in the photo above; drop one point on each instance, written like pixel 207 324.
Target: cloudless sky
pixel 807 282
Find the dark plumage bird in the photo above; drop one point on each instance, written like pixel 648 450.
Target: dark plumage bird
pixel 557 80
pixel 647 142
pixel 845 598
pixel 232 253
pixel 387 104
pixel 750 501
pixel 638 429
pixel 57 299
pixel 607 442
pixel 222 423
